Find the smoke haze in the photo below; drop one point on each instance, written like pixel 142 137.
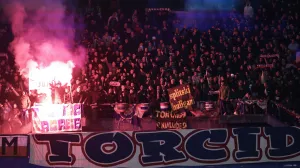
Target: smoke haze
pixel 43 33
pixel 203 14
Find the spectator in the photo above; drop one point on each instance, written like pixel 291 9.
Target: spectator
pixel 25 105
pixel 248 11
pixel 224 98
pixel 135 51
pixel 113 20
pixel 293 47
pixel 132 97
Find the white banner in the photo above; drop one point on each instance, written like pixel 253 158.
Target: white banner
pixel 166 148
pixel 56 117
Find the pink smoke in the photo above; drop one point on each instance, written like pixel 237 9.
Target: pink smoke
pixel 43 34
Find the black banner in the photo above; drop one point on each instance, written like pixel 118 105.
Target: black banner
pixel 171 120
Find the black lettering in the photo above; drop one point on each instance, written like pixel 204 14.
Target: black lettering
pixel 97 153
pixel 59 145
pixel 13 142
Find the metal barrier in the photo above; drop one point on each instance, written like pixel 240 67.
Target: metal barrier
pixel 251 111
pixel 283 114
pixel 233 107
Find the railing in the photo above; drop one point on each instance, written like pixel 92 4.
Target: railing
pixel 233 107
pixel 236 107
pixel 283 114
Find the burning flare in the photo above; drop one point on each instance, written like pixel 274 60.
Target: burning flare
pixel 43 42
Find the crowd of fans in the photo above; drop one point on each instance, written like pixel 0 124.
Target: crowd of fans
pixel 148 52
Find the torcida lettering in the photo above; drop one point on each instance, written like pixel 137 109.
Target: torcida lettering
pixel 169 146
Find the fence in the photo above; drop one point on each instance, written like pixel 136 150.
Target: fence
pixel 235 106
pixel 248 109
pixel 283 114
pixel 209 107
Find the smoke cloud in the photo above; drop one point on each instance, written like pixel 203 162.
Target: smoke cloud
pixel 43 33
pixel 203 14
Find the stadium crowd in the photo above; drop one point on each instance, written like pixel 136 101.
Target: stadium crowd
pixel 249 56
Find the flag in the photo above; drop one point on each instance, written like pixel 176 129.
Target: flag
pixel 13 145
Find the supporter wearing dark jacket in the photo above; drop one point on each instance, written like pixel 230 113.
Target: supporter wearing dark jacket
pixel 102 96
pixel 241 90
pixel 111 96
pixel 142 95
pixel 132 98
pixel 123 97
pixel 151 95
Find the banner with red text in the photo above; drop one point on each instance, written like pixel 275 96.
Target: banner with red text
pixel 167 148
pixel 56 117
